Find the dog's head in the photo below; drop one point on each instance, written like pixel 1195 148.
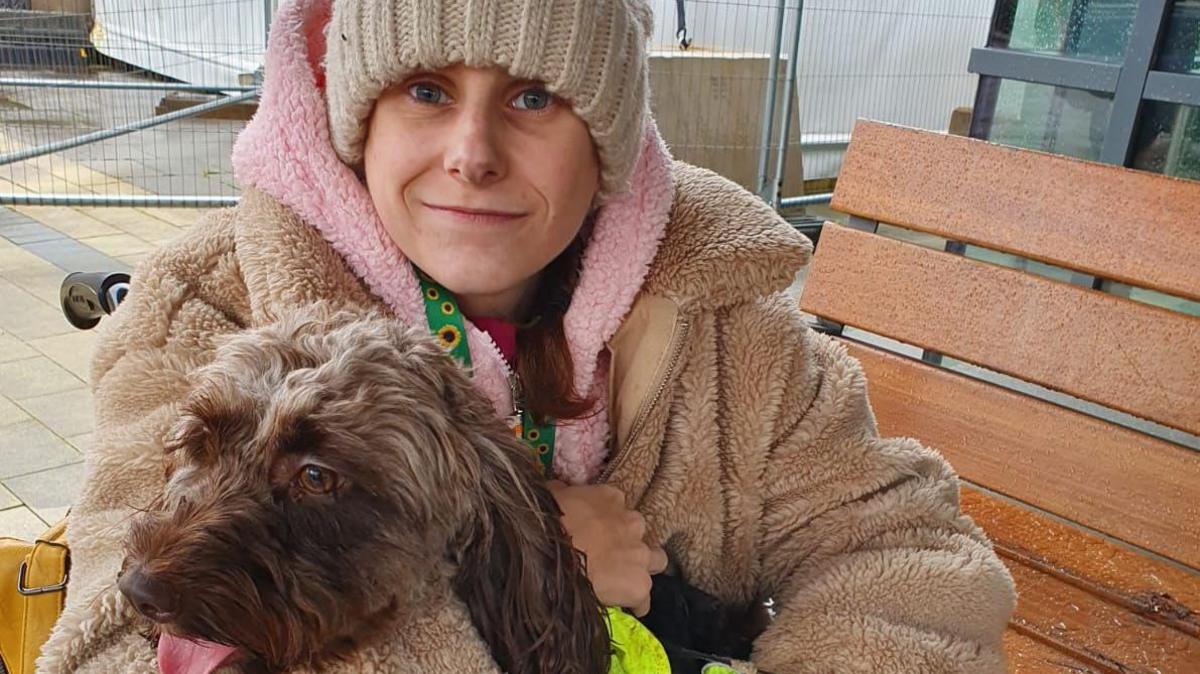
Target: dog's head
pixel 329 472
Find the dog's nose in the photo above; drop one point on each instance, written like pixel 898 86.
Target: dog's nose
pixel 152 598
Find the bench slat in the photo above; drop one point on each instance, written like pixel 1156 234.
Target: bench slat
pixel 1089 559
pixel 1086 599
pixel 1127 484
pixel 1027 655
pixel 1117 223
pixel 1084 624
pixel 1129 356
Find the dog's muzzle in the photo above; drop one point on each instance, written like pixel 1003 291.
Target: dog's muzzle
pixel 152 598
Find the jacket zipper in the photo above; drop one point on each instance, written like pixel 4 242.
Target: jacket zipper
pixel 518 395
pixel 510 375
pixel 680 338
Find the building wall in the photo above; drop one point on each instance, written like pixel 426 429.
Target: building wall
pixel 64 6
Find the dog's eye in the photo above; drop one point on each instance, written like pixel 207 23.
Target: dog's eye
pixel 316 480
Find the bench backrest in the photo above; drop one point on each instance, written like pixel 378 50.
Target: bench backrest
pixel 1142 359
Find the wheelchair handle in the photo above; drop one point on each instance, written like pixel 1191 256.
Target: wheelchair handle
pixel 86 297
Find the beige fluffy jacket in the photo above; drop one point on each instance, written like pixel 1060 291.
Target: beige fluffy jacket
pixel 744 438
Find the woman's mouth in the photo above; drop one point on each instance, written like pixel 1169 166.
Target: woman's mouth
pixel 480 215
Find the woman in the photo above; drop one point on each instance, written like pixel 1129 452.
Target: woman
pixel 504 150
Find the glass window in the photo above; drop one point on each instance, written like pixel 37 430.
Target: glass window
pixel 1181 44
pixel 1168 140
pixel 1096 30
pixel 1044 117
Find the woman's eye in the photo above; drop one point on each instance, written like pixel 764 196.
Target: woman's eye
pixel 533 99
pixel 316 480
pixel 427 93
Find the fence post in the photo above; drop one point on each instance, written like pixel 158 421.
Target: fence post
pixel 789 95
pixel 768 119
pixel 267 13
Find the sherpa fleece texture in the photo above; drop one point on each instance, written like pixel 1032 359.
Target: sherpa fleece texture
pixel 759 469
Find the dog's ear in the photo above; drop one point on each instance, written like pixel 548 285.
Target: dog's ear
pixel 209 413
pixel 521 578
pixel 188 431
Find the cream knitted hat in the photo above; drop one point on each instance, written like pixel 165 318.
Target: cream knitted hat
pixel 590 52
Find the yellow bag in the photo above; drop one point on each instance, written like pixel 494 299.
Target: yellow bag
pixel 33 589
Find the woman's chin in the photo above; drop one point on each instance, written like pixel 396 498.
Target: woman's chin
pixel 473 275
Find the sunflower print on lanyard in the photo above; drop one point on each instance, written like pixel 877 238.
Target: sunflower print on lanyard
pixel 446 321
pixel 448 326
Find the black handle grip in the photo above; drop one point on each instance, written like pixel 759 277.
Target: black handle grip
pixel 86 297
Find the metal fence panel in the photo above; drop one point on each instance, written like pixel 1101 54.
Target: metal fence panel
pixel 81 73
pixel 124 63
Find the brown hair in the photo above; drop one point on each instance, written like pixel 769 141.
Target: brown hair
pixel 545 366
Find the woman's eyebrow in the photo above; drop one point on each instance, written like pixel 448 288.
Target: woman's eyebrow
pixel 424 75
pixel 525 83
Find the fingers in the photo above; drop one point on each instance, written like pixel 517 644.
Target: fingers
pixel 658 560
pixel 634 524
pixel 611 495
pixel 641 601
pixel 612 537
pixel 656 563
pixel 642 609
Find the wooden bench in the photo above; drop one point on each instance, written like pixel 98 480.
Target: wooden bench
pixel 1099 524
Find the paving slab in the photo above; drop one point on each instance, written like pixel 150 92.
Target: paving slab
pixel 49 493
pixel 28 232
pixel 33 377
pixel 29 447
pixel 115 245
pixel 72 351
pixel 67 221
pixel 180 217
pixel 7 500
pixel 73 255
pixel 40 279
pixel 12 348
pixel 81 443
pixel 68 413
pixel 20 522
pixel 133 221
pixel 13 256
pixel 11 413
pixel 27 317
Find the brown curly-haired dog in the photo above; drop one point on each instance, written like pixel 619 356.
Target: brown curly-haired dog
pixel 331 471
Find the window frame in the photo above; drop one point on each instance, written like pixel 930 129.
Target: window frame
pixel 1131 82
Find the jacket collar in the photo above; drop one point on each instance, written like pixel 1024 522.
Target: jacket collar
pixel 723 245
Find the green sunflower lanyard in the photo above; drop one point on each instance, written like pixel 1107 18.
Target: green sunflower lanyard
pixel 448 326
pixel 635 650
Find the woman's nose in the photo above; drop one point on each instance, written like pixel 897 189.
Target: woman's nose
pixel 473 153
pixel 152 598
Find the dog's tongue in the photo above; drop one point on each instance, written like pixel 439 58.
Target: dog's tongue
pixel 177 655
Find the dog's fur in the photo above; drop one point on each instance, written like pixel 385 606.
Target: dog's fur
pixel 435 496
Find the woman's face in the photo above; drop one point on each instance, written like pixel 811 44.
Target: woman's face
pixel 481 179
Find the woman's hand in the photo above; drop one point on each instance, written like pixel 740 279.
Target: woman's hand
pixel 612 538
